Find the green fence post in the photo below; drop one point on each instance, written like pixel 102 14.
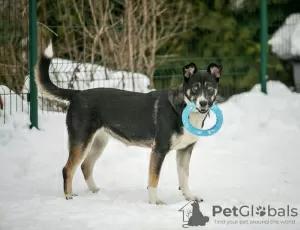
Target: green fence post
pixel 33 58
pixel 263 44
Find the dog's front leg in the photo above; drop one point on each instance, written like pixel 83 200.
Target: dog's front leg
pixel 156 160
pixel 183 157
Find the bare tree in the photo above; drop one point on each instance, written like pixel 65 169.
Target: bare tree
pixel 14 47
pixel 13 56
pixel 126 40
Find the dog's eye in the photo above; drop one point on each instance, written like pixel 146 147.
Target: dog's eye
pixel 195 88
pixel 210 89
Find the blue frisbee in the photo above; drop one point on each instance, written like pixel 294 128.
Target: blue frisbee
pixel 202 132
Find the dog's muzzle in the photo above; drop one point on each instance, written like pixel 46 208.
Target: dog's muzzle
pixel 203 106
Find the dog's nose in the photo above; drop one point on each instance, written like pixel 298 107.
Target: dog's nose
pixel 203 103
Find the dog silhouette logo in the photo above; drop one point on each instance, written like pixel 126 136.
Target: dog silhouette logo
pixel 192 216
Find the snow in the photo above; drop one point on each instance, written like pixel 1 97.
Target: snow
pixel 285 42
pixel 252 160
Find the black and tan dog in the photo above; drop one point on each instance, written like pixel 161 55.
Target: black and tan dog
pixel 150 120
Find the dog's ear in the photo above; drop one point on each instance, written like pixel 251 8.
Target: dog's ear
pixel 189 70
pixel 215 70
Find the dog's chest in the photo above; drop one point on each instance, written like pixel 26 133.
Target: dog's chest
pixel 181 141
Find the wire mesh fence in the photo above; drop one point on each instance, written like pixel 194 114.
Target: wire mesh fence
pixel 134 45
pixel 11 102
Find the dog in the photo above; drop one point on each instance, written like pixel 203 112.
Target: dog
pixel 151 120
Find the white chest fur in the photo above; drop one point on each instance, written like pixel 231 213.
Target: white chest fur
pixel 185 139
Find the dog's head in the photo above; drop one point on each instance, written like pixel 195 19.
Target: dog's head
pixel 201 86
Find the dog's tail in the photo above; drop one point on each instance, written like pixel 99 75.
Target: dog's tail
pixel 43 81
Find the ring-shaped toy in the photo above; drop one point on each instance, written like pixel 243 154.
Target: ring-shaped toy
pixel 202 132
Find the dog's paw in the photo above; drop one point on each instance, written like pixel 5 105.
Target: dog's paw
pixel 70 196
pixel 157 202
pixel 193 198
pixel 95 190
pixel 160 202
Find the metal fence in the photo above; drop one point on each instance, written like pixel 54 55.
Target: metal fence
pixel 22 38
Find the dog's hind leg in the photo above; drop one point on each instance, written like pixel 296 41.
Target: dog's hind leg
pixel 87 167
pixel 156 160
pixel 77 152
pixel 75 157
pixel 183 157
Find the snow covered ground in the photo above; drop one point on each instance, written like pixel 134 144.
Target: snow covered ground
pixel 253 160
